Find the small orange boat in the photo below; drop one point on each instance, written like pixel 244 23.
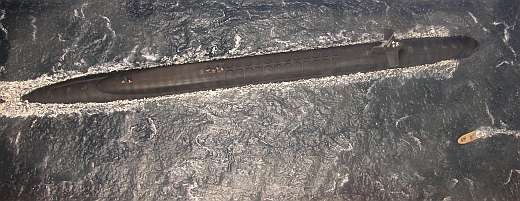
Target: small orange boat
pixel 468 137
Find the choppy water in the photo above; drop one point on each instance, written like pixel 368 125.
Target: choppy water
pixel 388 135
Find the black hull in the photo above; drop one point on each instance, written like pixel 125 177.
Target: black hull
pixel 279 67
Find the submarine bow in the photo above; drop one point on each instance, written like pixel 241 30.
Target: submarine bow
pixel 234 72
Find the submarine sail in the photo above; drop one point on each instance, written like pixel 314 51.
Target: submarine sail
pixel 234 72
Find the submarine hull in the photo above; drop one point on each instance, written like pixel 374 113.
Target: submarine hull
pixel 278 67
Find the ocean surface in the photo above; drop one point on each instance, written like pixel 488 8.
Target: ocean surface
pixel 385 135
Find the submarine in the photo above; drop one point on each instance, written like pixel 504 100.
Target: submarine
pixel 234 72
